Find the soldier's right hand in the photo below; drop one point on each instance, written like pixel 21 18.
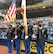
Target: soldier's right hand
pixel 16 36
pixel 26 37
pixel 11 40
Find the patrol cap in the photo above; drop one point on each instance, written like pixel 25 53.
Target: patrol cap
pixel 28 22
pixel 18 23
pixel 10 25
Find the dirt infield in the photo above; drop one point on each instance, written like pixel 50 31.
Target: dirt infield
pixel 4 50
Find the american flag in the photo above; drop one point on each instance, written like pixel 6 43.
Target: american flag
pixel 11 13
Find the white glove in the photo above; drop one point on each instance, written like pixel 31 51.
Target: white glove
pixel 26 37
pixel 33 36
pixel 45 42
pixel 16 36
pixel 11 40
pixel 3 36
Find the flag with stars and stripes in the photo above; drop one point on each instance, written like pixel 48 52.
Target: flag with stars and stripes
pixel 11 13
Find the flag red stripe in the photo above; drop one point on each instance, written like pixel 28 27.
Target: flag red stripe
pixel 22 10
pixel 13 10
pixel 8 17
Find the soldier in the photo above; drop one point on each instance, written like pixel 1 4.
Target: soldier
pixel 10 37
pixel 18 37
pixel 28 38
pixel 41 38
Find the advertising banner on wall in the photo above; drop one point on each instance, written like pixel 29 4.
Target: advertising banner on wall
pixel 33 49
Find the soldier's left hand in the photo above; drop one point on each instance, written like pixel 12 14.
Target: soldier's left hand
pixel 16 36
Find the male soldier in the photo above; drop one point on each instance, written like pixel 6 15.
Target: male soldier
pixel 18 37
pixel 28 38
pixel 10 37
pixel 41 37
